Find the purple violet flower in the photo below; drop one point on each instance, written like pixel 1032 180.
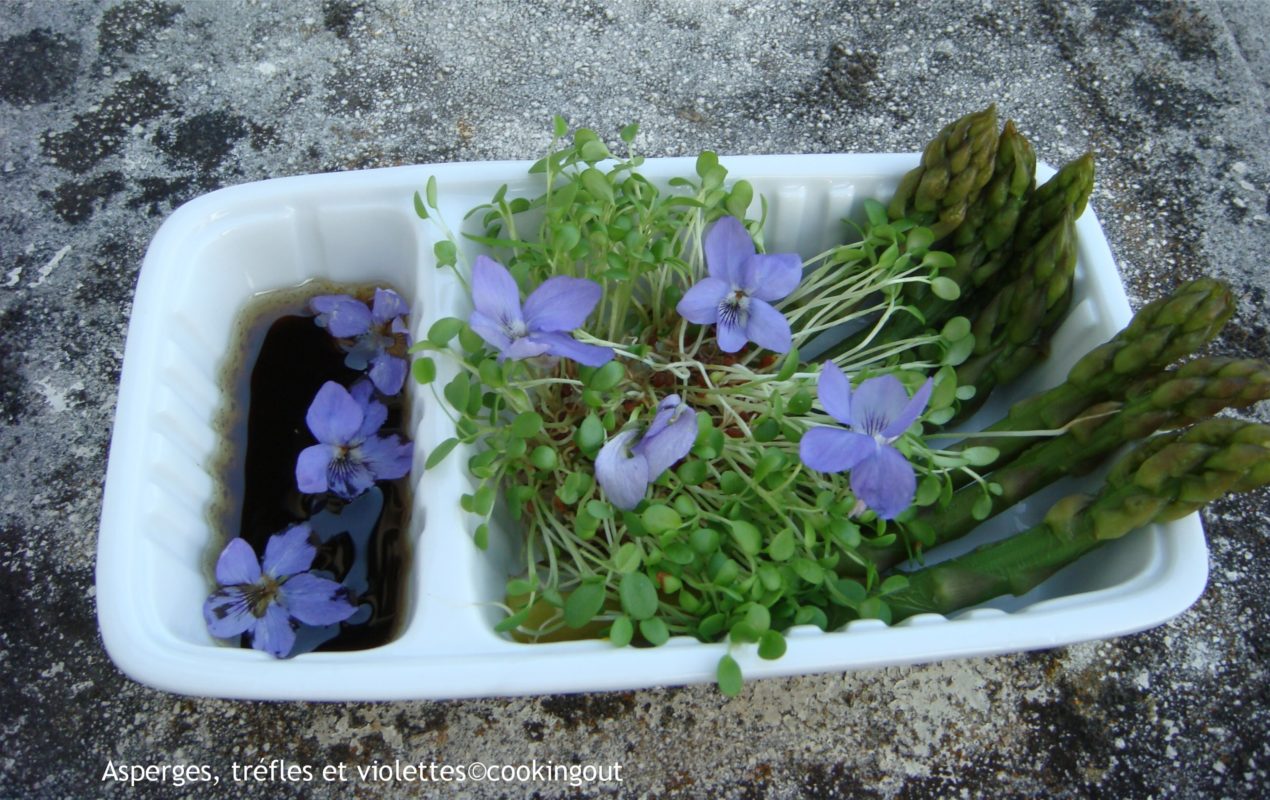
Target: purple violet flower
pixel 349 456
pixel 739 291
pixel 376 336
pixel 541 327
pixel 879 411
pixel 625 472
pixel 268 602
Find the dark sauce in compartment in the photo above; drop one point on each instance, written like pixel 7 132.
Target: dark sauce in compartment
pixel 364 541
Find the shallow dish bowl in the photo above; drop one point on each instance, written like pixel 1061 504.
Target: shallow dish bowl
pixel 215 252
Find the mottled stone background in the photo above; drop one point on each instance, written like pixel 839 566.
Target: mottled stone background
pixel 114 113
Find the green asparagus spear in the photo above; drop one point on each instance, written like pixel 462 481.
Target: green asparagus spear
pixel 986 232
pixel 1174 399
pixel 955 166
pixel 1012 330
pixel 1167 477
pixel 1162 332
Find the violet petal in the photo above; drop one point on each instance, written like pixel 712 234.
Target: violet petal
pixel 350 475
pixel 333 416
pixel 834 449
pixel 834 391
pixel 670 444
pixel 315 601
pixel 768 327
pixel 565 346
pixel 227 612
pixel 274 633
pixel 730 335
pixel 911 411
pixel 561 304
pixel 387 457
pixel 237 564
pixel 489 330
pixel 388 305
pixel 289 552
pixel 494 291
pixel 727 244
pixel 771 277
pixel 623 477
pixel 528 347
pixel 311 467
pixel 877 403
pixel 885 482
pixel 700 304
pixel 665 415
pixel 341 315
pixel 388 373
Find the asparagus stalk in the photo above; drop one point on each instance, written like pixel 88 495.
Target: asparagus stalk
pixel 955 166
pixel 986 232
pixel 1012 331
pixel 1068 190
pixel 1167 477
pixel 1160 333
pixel 1175 399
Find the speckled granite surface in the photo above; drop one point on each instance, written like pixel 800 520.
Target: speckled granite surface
pixel 114 113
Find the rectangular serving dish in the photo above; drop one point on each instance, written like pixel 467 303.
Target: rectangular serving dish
pixel 218 250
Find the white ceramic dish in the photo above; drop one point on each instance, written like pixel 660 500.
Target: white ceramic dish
pixel 218 250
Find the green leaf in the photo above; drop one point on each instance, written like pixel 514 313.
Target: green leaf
pixel 739 199
pixel 958 352
pixel 439 453
pixel 445 253
pixel 559 127
pixel 704 540
pixel 747 537
pixel 945 288
pixel 628 133
pixel 771 645
pixel 982 509
pixel 800 403
pixel 655 631
pixel 939 259
pixel 481 536
pixel 543 457
pixel 980 456
pixel 758 617
pixel 728 676
pixel 593 151
pixel 955 329
pixel 920 240
pixel 621 631
pixel 599 509
pixel 659 518
pixel 876 212
pixel 893 584
pixel 638 594
pixel 789 366
pixel 420 209
pixel 432 191
pixel 526 424
pixel 628 558
pixel 875 608
pixel 582 604
pixel 483 501
pixel 456 391
pixel 692 472
pixel 514 621
pixel 597 184
pixel 443 330
pixel 519 586
pixel 424 370
pixel 590 435
pixel 706 162
pixel 809 571
pixel 782 546
pixel 607 376
pixel 470 341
